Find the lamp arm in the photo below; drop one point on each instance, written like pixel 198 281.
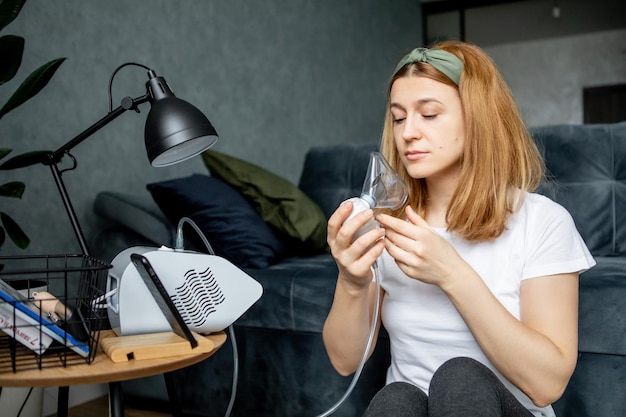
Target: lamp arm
pixel 126 104
pixel 69 209
pixel 53 159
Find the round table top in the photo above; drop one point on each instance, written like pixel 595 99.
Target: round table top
pixel 103 370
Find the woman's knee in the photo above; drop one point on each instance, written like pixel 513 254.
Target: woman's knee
pixel 398 399
pixel 464 386
pixel 464 375
pixel 462 369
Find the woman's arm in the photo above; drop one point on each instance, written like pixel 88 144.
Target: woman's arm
pixel 347 327
pixel 538 353
pixel 348 323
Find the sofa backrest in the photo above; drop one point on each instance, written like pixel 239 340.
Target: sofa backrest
pixel 334 173
pixel 587 175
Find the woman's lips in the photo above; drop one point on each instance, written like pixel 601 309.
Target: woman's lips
pixel 415 155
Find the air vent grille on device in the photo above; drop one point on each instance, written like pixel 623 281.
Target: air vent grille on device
pixel 198 296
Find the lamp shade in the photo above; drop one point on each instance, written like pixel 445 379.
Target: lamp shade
pixel 175 130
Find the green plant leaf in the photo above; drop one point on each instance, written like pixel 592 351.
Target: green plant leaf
pixel 4 152
pixel 15 232
pixel 11 51
pixel 9 9
pixel 32 85
pixel 25 160
pixel 13 189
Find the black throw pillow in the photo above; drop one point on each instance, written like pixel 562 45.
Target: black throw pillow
pixel 232 226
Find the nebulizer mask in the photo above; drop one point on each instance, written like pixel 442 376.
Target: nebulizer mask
pixel 382 188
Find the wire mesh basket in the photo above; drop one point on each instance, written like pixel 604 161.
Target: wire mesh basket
pixel 49 313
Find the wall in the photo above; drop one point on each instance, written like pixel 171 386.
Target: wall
pixel 547 76
pixel 275 77
pixel 547 50
pixel 494 22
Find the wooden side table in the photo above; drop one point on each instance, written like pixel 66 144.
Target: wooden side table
pixel 104 370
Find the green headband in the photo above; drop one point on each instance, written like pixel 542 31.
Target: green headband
pixel 442 60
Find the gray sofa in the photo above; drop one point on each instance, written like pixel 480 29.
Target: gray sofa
pixel 284 370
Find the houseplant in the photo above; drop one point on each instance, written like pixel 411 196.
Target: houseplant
pixel 28 401
pixel 11 51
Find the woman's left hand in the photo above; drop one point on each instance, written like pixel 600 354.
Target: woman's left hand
pixel 420 252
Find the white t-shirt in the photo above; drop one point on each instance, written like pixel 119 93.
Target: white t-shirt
pixel 424 327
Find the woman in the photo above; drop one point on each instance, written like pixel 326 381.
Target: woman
pixel 479 275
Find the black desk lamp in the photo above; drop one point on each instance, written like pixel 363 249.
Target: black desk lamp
pixel 175 131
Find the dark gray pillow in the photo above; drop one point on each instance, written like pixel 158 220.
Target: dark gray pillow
pixel 232 226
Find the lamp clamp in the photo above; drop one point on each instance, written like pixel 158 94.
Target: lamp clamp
pixel 128 103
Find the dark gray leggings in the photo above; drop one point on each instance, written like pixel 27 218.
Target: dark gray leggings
pixel 460 387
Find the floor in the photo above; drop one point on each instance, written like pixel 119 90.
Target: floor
pixel 100 408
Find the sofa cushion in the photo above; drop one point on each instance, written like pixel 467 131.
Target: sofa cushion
pixel 232 226
pixel 138 213
pixel 602 322
pixel 278 201
pixel 297 294
pixel 587 169
pixel 596 388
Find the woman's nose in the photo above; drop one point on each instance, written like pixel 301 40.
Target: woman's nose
pixel 411 129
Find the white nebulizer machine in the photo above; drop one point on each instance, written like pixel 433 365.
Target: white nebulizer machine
pixel 382 188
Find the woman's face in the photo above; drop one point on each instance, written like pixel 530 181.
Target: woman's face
pixel 428 127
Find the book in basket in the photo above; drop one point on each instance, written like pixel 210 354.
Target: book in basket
pixel 23 331
pixel 13 301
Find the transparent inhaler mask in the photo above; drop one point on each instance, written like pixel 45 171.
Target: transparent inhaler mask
pixel 383 188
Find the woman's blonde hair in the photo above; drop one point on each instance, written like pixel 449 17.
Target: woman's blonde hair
pixel 500 156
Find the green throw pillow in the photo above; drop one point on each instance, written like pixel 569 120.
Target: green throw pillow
pixel 280 203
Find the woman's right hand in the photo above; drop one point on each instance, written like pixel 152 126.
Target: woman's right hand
pixel 354 259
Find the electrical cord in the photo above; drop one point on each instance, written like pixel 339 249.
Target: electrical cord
pixel 368 346
pixel 233 341
pixel 113 77
pixel 30 391
pixel 179 246
pixel 19 413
